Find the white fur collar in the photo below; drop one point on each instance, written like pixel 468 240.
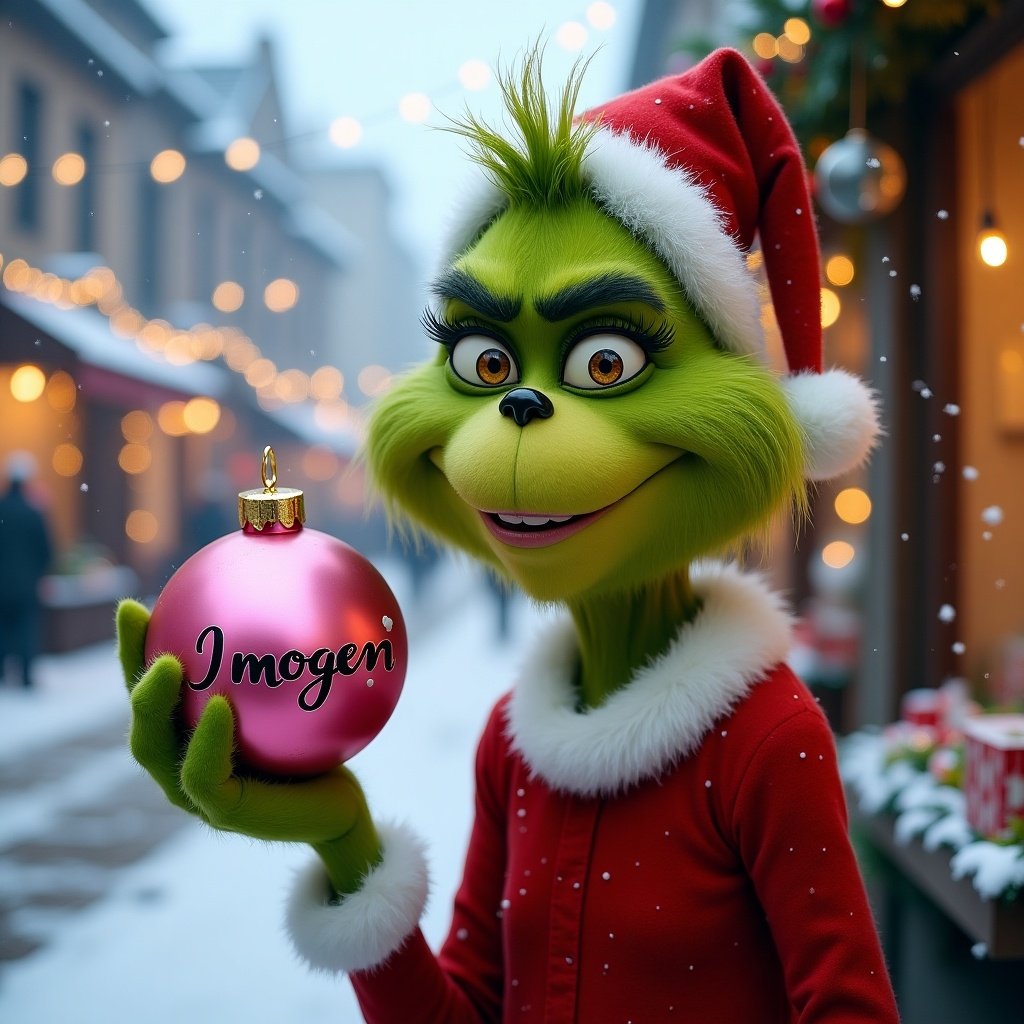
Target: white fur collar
pixel 663 713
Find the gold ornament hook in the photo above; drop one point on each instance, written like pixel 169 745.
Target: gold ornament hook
pixel 268 469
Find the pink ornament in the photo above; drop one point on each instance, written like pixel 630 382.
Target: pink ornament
pixel 298 630
pixel 832 13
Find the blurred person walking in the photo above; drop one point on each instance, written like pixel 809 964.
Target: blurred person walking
pixel 25 554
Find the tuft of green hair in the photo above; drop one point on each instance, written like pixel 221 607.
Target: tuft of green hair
pixel 538 161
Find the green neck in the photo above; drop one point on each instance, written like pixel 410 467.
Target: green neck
pixel 619 633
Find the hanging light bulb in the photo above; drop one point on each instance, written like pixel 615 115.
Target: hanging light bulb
pixel 991 242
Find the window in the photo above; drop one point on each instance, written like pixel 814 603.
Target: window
pixel 86 219
pixel 28 144
pixel 150 224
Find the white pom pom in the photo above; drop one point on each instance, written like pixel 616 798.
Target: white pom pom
pixel 839 417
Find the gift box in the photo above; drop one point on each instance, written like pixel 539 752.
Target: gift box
pixel 993 771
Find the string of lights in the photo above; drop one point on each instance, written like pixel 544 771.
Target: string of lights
pixel 100 288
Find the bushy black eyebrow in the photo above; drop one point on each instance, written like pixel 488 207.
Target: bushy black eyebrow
pixel 603 290
pixel 457 284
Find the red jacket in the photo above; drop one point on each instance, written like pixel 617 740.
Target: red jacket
pixel 696 870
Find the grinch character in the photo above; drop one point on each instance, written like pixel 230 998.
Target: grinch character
pixel 660 832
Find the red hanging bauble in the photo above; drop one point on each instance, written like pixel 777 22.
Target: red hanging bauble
pixel 297 629
pixel 832 13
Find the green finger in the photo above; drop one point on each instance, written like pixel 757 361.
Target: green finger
pixel 154 738
pixel 132 622
pixel 207 773
pixel 312 811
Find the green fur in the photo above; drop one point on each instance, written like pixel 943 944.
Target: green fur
pixel 541 165
pixel 701 449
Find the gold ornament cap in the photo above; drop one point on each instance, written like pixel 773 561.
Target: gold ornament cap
pixel 260 508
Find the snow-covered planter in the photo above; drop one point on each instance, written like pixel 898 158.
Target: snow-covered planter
pixel 885 777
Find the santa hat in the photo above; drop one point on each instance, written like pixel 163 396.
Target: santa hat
pixel 695 165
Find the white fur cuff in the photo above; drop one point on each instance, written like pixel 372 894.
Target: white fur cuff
pixel 367 926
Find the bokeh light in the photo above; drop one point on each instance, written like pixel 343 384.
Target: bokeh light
pixel 27 383
pixel 167 166
pixel 243 154
pixel 852 505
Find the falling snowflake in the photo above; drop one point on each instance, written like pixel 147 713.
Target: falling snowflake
pixel 993 515
pixel 959 647
pixel 943 214
pixel 947 613
pixel 969 473
pixel 915 292
pixel 951 409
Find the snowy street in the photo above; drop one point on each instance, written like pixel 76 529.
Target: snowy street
pixel 115 906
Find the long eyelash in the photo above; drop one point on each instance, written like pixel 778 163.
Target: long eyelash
pixel 650 337
pixel 444 332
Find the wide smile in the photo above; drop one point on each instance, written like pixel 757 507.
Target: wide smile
pixel 537 530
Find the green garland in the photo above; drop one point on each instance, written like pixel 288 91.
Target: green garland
pixel 899 45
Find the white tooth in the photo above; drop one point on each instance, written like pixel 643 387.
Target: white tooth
pixel 535 520
pixel 560 519
pixel 511 520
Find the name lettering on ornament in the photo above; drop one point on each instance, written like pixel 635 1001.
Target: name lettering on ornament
pixel 323 663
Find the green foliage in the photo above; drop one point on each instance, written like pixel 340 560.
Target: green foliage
pixel 539 162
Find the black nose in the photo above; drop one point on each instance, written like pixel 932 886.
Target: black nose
pixel 522 404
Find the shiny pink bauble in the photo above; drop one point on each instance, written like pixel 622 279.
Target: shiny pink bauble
pixel 305 607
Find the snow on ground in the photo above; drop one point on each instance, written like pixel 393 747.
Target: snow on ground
pixel 194 931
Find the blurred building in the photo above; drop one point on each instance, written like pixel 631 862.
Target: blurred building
pixel 170 297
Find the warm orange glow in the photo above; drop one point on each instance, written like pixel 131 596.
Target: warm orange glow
pixel 13 168
pixel 790 51
pixel 135 458
pixel 992 247
pixel 61 392
pixel 228 296
pixel 280 295
pixel 292 386
pixel 765 46
pixel 16 275
pixel 326 383
pixel 27 383
pixel 838 554
pixel 260 372
pixel 68 169
pixel 839 270
pixel 242 154
pixel 137 426
pixel 67 459
pixel 167 166
pixel 141 526
pixel 171 418
pixel 201 415
pixel 797 30
pixel 852 505
pixel 830 307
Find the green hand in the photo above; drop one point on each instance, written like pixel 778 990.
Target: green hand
pixel 197 774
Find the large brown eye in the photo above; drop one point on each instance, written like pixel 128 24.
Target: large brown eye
pixel 605 367
pixel 493 366
pixel 484 361
pixel 602 361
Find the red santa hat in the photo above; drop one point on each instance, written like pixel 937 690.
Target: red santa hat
pixel 696 165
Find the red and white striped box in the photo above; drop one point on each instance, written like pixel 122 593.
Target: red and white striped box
pixel 994 771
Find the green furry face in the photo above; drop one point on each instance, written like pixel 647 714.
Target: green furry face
pixel 665 446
